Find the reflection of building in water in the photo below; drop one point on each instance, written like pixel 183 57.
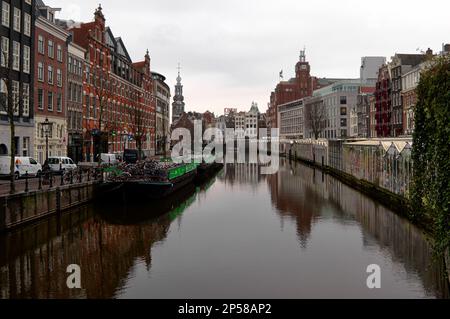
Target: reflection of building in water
pixel 35 264
pixel 33 261
pixel 295 194
pixel 245 173
pixel 404 242
pixel 303 193
pixel 104 252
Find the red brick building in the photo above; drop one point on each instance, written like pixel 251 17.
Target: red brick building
pixel 296 88
pixel 50 83
pixel 118 108
pixel 383 103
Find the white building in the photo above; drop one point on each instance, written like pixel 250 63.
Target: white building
pixel 340 101
pixel 251 121
pixel 239 125
pixel 369 68
pixel 291 120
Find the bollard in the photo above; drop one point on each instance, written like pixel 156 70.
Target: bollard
pixel 62 178
pixel 71 177
pixel 26 182
pixel 51 179
pixel 80 176
pixel 89 175
pixel 58 200
pixel 40 181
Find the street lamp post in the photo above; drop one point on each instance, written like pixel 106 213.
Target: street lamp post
pixel 47 127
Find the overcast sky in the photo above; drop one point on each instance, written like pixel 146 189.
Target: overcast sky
pixel 231 52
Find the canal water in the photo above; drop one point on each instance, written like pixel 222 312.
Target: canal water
pixel 296 234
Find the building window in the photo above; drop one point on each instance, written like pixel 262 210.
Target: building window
pixel 17 15
pixel 59 53
pixel 26 100
pixel 25 144
pixel 59 77
pixel 69 97
pixel 50 74
pixel 70 65
pixel 27 24
pixel 16 56
pixel 59 102
pixel 5 52
pixel 5 13
pixel 41 44
pixel 40 99
pixel 3 92
pixel 50 101
pixel 15 97
pixel 88 107
pixel 26 59
pixel 51 52
pixel 343 100
pixel 94 106
pixel 41 72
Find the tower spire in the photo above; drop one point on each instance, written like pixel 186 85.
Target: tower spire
pixel 303 54
pixel 179 77
pixel 178 99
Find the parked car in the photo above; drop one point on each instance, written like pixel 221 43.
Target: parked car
pixel 59 164
pixel 109 159
pixel 23 165
pixel 131 156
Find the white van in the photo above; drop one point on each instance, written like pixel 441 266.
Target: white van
pixel 60 164
pixel 109 159
pixel 23 165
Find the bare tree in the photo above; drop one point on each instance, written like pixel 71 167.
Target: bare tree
pixel 316 117
pixel 101 89
pixel 139 124
pixel 9 104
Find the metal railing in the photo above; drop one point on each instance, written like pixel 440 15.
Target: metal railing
pixel 50 179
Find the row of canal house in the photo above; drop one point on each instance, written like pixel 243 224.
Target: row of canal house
pixel 74 83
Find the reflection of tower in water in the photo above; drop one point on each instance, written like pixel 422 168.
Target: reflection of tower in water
pixel 294 197
pixel 242 173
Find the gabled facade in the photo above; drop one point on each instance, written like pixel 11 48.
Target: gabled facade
pixel 383 103
pixel 50 84
pixel 118 107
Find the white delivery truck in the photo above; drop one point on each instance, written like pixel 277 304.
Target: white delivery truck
pixel 23 165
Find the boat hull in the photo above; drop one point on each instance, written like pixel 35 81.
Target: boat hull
pixel 155 190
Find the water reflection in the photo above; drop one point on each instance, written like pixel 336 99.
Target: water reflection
pixel 223 239
pixel 306 194
pixel 105 244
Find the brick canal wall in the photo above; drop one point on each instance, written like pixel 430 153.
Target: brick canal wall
pixel 23 208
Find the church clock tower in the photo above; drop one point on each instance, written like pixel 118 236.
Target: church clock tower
pixel 178 99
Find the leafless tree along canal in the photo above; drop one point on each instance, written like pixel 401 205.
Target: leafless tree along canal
pixel 296 234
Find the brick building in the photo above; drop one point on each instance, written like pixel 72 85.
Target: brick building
pixel 383 104
pixel 50 83
pixel 401 64
pixel 17 65
pixel 296 88
pixel 161 92
pixel 118 107
pixel 75 67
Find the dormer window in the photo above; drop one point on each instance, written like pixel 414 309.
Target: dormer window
pixel 51 16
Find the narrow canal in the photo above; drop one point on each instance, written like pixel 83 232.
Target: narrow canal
pixel 296 234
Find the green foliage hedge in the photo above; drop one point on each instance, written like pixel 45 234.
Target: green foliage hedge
pixel 430 197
